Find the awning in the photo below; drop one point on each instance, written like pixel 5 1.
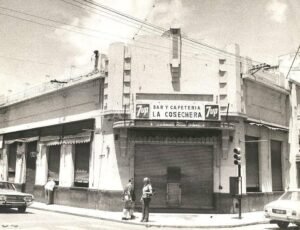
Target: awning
pixel 217 125
pixel 79 138
pixel 51 140
pixel 271 127
pixel 24 140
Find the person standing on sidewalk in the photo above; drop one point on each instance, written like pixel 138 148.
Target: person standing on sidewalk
pixel 131 183
pixel 49 187
pixel 146 198
pixel 128 198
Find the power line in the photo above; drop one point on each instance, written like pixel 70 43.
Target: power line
pixel 51 20
pixel 145 20
pixel 69 30
pixel 47 25
pixel 27 60
pixel 90 29
pixel 161 29
pixel 293 62
pixel 125 15
pixel 94 30
pixel 81 27
pixel 60 22
pixel 141 27
pixel 119 19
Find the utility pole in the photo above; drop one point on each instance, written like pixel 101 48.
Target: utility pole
pixel 293 62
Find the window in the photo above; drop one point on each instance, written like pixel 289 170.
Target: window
pixel 54 162
pixel 82 156
pixel 12 161
pixel 252 164
pixel 175 41
pixel 276 166
pixel 173 174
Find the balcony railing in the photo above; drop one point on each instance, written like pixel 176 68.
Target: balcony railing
pixel 46 87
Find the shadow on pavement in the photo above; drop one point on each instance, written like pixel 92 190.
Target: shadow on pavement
pixel 12 211
pixel 236 218
pixel 276 228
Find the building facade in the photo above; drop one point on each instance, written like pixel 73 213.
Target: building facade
pixel 289 65
pixel 160 108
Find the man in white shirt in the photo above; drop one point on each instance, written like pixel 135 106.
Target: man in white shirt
pixel 49 187
pixel 146 198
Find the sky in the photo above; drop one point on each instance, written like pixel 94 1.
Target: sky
pixel 34 50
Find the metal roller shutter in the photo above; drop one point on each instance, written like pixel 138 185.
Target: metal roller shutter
pixel 196 168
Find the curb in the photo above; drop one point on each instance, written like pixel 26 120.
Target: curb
pixel 154 224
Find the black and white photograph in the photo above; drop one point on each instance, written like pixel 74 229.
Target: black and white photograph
pixel 161 114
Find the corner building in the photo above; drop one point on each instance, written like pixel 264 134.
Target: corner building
pixel 159 108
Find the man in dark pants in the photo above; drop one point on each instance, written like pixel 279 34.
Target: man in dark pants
pixel 146 198
pixel 49 187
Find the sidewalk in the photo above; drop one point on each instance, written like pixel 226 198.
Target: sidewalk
pixel 163 219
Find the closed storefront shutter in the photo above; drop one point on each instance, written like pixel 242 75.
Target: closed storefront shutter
pixel 82 155
pixel 163 163
pixel 252 164
pixel 276 166
pixel 53 162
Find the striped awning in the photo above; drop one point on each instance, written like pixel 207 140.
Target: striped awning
pixel 25 140
pixel 79 138
pixel 51 140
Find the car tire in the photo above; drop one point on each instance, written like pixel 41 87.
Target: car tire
pixel 22 209
pixel 283 225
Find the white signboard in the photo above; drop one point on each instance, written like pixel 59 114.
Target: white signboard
pixel 176 110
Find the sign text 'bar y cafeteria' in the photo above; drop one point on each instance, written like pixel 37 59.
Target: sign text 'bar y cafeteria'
pixel 176 110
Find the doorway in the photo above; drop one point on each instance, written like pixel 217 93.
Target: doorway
pixel 30 166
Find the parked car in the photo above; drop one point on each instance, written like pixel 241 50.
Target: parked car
pixel 285 210
pixel 11 198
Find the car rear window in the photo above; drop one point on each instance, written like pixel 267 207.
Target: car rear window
pixel 293 196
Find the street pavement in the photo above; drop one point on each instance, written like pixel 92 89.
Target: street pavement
pixel 35 219
pixel 43 220
pixel 173 220
pixel 50 217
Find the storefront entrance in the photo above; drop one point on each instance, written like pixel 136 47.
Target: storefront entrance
pixel 181 174
pixel 30 166
pixel 12 156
